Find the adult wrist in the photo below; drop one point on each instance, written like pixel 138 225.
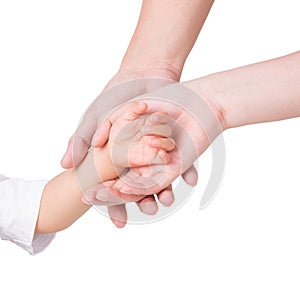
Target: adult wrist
pixel 150 68
pixel 191 111
pixel 208 89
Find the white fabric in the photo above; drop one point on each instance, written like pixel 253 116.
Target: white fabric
pixel 19 208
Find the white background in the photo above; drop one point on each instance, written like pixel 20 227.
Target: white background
pixel 55 58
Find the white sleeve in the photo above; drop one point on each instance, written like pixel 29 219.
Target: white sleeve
pixel 19 209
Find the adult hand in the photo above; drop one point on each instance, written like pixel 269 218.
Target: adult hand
pixel 121 88
pixel 156 26
pixel 196 123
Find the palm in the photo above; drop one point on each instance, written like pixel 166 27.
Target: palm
pixel 127 144
pixel 183 122
pixel 191 141
pixel 120 89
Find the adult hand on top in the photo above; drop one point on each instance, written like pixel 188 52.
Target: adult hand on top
pixel 121 88
pixel 196 122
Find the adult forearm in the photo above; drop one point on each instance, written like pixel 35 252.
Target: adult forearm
pixel 262 92
pixel 165 34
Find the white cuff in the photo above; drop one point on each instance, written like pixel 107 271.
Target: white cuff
pixel 19 209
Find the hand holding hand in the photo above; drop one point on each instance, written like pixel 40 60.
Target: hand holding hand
pixel 137 139
pixel 195 125
pixel 129 145
pixel 123 87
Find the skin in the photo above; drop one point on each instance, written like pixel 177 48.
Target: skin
pixel 61 203
pixel 263 92
pixel 174 25
pixel 235 95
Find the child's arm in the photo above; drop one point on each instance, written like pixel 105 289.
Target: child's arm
pixel 61 203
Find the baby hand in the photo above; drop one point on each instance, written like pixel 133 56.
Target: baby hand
pixel 137 139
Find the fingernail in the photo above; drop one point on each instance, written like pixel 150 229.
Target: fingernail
pixel 150 210
pixel 160 159
pixel 156 160
pixel 141 104
pixel 117 186
pixel 153 118
pixel 125 190
pixel 119 224
pixel 102 195
pixel 85 200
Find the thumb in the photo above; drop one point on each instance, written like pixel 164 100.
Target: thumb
pixel 76 151
pixel 67 160
pixel 102 134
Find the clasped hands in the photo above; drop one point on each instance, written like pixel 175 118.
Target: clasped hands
pixel 149 141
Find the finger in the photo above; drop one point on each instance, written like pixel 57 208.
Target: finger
pixel 102 134
pixel 161 158
pixel 109 194
pixel 90 197
pixel 139 108
pixel 103 194
pixel 148 205
pixel 92 200
pixel 166 196
pixel 133 110
pixel 132 183
pixel 162 130
pixel 127 188
pixel 67 161
pixel 160 117
pixel 190 176
pixel 166 144
pixel 77 150
pixel 118 215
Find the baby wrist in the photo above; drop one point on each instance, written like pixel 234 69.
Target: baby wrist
pixel 95 168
